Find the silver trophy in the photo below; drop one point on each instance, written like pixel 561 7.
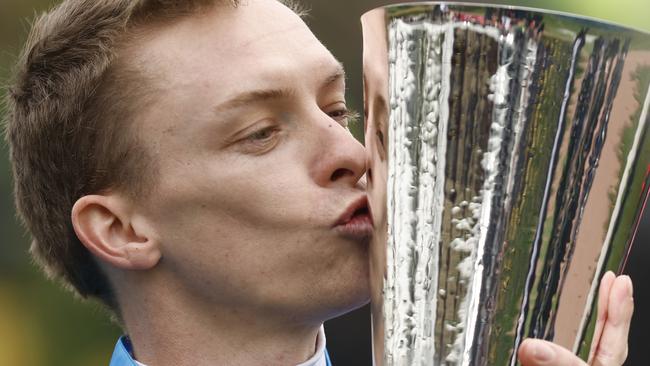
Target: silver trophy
pixel 508 168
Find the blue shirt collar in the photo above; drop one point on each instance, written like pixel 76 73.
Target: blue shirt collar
pixel 123 354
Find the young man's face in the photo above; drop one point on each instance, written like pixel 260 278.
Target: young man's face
pixel 256 166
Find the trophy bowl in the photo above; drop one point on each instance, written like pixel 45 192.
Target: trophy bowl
pixel 508 156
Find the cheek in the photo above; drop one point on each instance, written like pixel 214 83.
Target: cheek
pixel 281 269
pixel 274 214
pixel 275 196
pixel 258 193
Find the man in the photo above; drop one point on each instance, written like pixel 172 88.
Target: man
pixel 188 164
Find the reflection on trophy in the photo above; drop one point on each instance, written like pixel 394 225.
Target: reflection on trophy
pixel 508 152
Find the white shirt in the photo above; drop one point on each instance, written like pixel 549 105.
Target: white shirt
pixel 318 359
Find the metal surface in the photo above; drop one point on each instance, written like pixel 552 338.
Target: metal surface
pixel 508 156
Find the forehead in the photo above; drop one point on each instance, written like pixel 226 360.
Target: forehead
pixel 258 42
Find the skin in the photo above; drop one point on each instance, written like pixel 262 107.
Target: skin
pixel 609 346
pixel 241 220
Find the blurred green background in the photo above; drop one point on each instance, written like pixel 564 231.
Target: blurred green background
pixel 41 324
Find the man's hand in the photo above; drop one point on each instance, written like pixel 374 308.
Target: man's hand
pixel 609 345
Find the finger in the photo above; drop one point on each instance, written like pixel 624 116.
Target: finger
pixel 603 298
pixel 612 349
pixel 537 352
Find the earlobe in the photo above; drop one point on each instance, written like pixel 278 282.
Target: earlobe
pixel 107 228
pixel 142 256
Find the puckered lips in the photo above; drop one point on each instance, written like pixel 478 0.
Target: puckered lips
pixel 355 222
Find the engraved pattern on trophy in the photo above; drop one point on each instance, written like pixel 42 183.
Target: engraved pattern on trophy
pixel 516 152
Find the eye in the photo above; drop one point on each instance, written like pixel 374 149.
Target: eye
pixel 344 116
pixel 260 141
pixel 340 114
pixel 262 135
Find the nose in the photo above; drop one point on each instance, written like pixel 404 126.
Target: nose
pixel 341 159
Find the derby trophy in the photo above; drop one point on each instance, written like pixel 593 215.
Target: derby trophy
pixel 508 169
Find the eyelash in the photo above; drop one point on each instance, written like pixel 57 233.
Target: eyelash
pixel 345 115
pixel 256 135
pixel 262 136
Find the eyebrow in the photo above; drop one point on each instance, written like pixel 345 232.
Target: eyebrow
pixel 263 95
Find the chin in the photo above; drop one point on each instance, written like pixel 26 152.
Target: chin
pixel 354 295
pixel 345 284
pixel 340 309
pixel 348 306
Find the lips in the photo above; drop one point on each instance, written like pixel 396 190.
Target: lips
pixel 355 221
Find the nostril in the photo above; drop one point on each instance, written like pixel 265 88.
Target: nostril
pixel 340 173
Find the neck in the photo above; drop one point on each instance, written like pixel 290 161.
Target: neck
pixel 169 331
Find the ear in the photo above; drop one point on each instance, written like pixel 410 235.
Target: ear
pixel 107 227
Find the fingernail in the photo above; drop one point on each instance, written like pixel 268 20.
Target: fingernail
pixel 543 352
pixel 630 287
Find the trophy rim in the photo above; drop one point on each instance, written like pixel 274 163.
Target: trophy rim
pixel 565 14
